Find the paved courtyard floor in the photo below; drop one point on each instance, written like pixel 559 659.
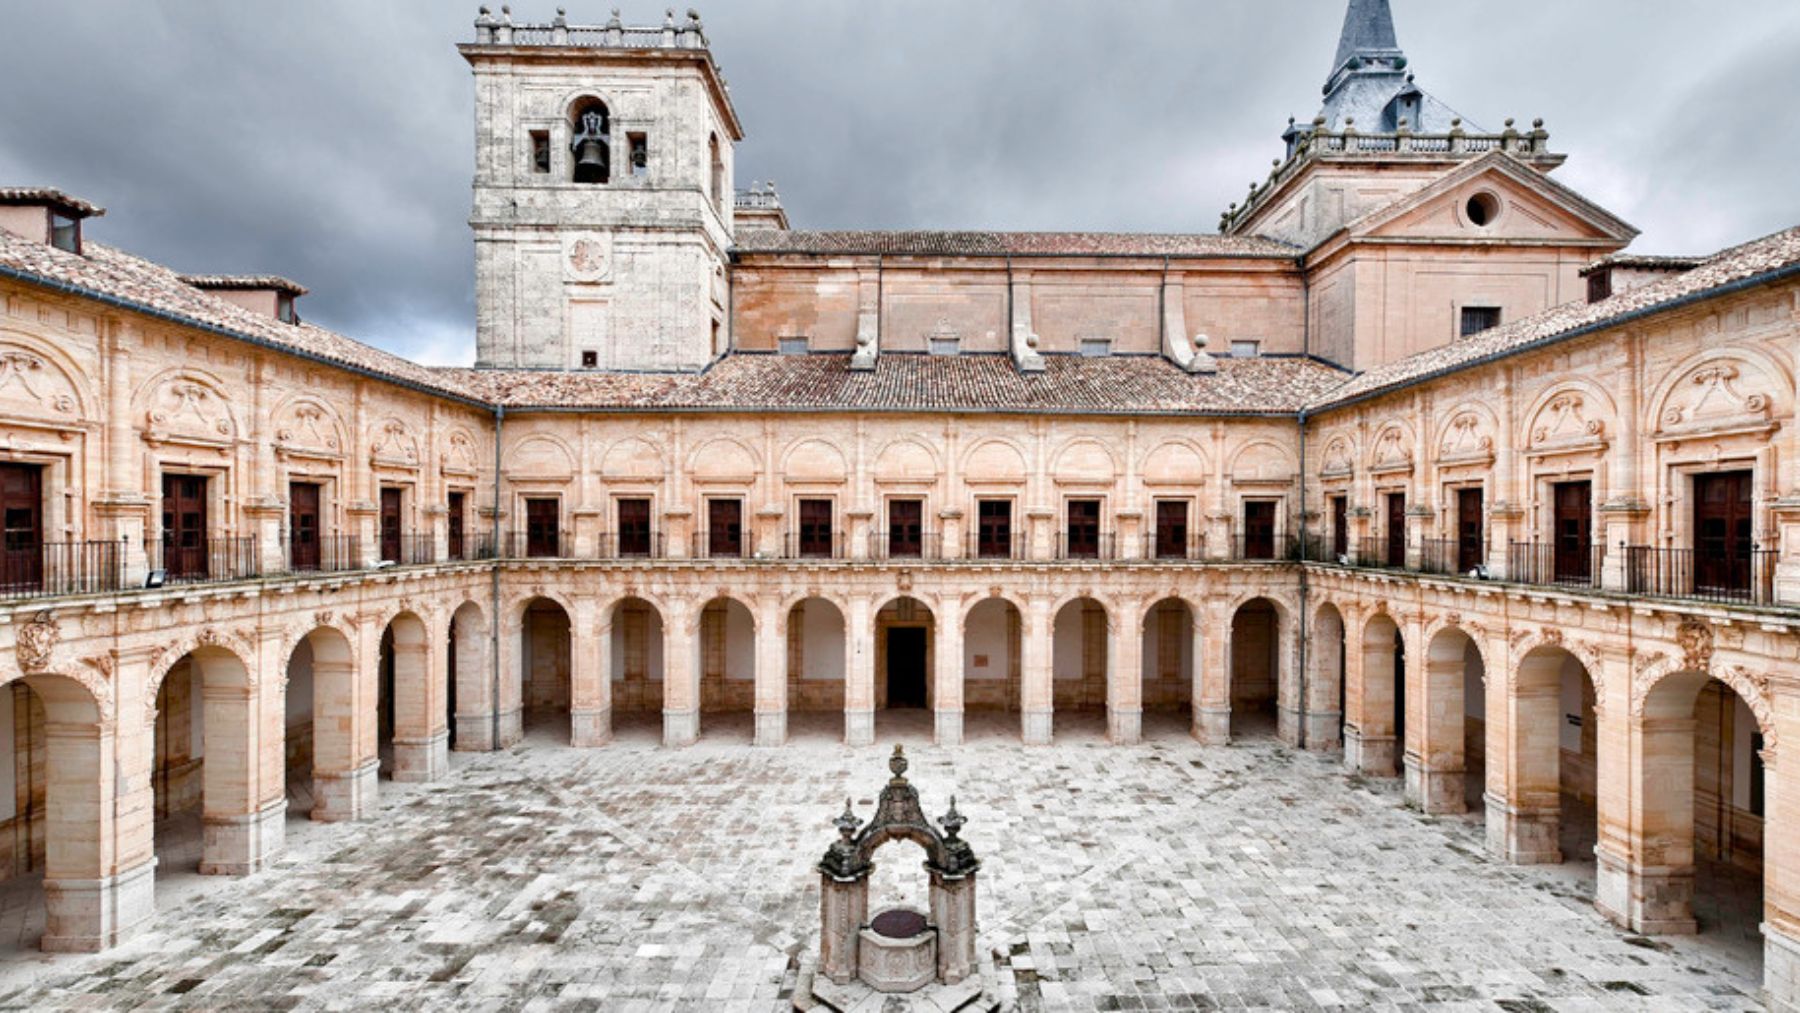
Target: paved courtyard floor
pixel 1164 876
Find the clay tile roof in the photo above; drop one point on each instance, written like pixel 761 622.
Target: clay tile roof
pixel 51 196
pixel 218 282
pixel 997 244
pixel 1645 262
pixel 1760 260
pixel 912 382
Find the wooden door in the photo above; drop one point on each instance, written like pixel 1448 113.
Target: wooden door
pixel 1572 548
pixel 1171 529
pixel 1471 540
pixel 1340 527
pixel 303 525
pixel 815 528
pixel 1722 531
pixel 184 525
pixel 22 519
pixel 725 527
pixel 906 528
pixel 1083 535
pixel 456 524
pixel 634 527
pixel 1259 529
pixel 390 525
pixel 543 528
pixel 993 532
pixel 1395 554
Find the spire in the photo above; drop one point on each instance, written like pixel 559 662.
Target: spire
pixel 1368 31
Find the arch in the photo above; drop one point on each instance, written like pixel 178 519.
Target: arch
pixel 1721 387
pixel 1084 461
pixel 1392 447
pixel 392 442
pixel 1175 461
pixel 1451 683
pixel 1468 434
pixel 186 402
pixel 725 630
pixel 1541 816
pixel 717 158
pixel 307 423
pixel 1376 732
pixel 907 460
pixel 208 639
pixel 1339 457
pixel 324 744
pixel 634 638
pixel 461 454
pixel 632 459
pixel 992 672
pixel 1572 414
pixel 1259 628
pixel 200 763
pixel 723 458
pixel 1081 653
pixel 1262 461
pixel 541 458
pixel 40 381
pixel 410 699
pixel 1166 654
pixel 995 461
pixel 590 138
pixel 813 460
pixel 818 643
pixel 905 637
pixel 546 660
pixel 516 610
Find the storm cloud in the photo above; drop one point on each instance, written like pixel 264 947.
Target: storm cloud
pixel 331 141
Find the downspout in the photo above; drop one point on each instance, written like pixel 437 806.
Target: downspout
pixel 1305 349
pixel 494 625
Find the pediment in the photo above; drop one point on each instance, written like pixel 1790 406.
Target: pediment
pixel 1521 204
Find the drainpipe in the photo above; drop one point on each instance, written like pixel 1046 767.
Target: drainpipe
pixel 494 620
pixel 1301 737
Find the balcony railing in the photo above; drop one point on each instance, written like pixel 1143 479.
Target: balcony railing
pixel 1746 577
pixel 328 554
pixel 629 545
pixel 53 568
pixel 1180 550
pixel 1101 546
pixel 1438 555
pixel 210 560
pixel 1542 564
pixel 555 544
pixel 1265 549
pixel 415 550
pixel 703 546
pixel 927 545
pixel 1008 546
pixel 1376 552
pixel 473 548
pixel 796 546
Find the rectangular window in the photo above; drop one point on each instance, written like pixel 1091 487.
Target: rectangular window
pixel 945 346
pixel 540 151
pixel 794 345
pixel 458 521
pixel 590 359
pixel 815 529
pixel 640 155
pixel 993 529
pixel 1259 529
pixel 1241 349
pixel 1171 529
pixel 284 309
pixel 1600 285
pixel 1340 528
pixel 1476 319
pixel 634 527
pixel 1471 539
pixel 724 528
pixel 906 528
pixel 65 233
pixel 1082 539
pixel 543 528
pixel 1096 348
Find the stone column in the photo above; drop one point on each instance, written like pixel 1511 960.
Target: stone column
pixel 771 673
pixel 1124 678
pixel 1435 763
pixel 681 678
pixel 421 740
pixel 1370 744
pixel 474 689
pixel 1644 877
pixel 1524 727
pixel 843 910
pixel 590 677
pixel 1212 678
pixel 1324 709
pixel 510 707
pixel 947 703
pixel 953 912
pixel 345 764
pixel 1781 860
pixel 242 817
pixel 1038 703
pixel 99 881
pixel 859 673
pixel 1287 682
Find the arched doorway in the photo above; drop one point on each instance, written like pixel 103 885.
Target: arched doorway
pixel 1166 660
pixel 1542 796
pixel 329 746
pixel 1255 660
pixel 1375 738
pixel 546 674
pixel 1325 684
pixel 413 735
pixel 727 660
pixel 1080 663
pixel 634 642
pixel 992 667
pixel 905 646
pixel 817 668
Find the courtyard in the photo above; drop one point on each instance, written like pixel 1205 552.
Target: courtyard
pixel 1167 875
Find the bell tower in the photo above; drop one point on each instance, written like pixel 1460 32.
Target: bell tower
pixel 602 194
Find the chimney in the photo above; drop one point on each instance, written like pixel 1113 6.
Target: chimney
pixel 44 215
pixel 266 294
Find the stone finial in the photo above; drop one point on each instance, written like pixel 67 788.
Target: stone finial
pixel 952 821
pixel 669 18
pixel 615 21
pixel 847 823
pixel 562 18
pixel 1203 361
pixel 897 763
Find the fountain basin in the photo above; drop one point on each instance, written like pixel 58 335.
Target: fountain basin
pixel 898 951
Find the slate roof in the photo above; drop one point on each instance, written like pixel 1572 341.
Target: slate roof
pixel 1755 261
pixel 999 244
pixel 914 382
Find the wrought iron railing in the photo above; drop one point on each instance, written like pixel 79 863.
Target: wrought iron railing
pixel 551 544
pixel 208 560
pixel 926 545
pixel 1080 546
pixel 1010 545
pixel 831 545
pixel 1438 555
pixel 726 547
pixel 629 545
pixel 1265 549
pixel 324 554
pixel 1377 552
pixel 1543 564
pixel 56 568
pixel 1746 576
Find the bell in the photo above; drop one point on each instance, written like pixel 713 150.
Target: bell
pixel 590 160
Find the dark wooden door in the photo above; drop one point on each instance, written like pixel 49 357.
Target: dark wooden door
pixel 1722 531
pixel 184 525
pixel 1340 527
pixel 1396 530
pixel 1259 529
pixel 543 528
pixel 1572 549
pixel 457 529
pixel 390 525
pixel 1083 536
pixel 725 527
pixel 303 525
pixel 22 520
pixel 993 530
pixel 634 527
pixel 905 666
pixel 906 528
pixel 815 528
pixel 1471 539
pixel 1171 529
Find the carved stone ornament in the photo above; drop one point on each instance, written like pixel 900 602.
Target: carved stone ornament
pixel 1337 458
pixel 1564 423
pixel 1695 639
pixel 1465 440
pixel 22 369
pixel 587 257
pixel 1393 452
pixel 37 641
pixel 1712 398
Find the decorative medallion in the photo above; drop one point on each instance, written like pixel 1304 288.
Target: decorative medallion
pixel 37 642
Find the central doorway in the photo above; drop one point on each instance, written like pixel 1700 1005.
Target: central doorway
pixel 906 666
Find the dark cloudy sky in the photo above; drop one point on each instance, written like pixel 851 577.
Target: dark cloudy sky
pixel 330 141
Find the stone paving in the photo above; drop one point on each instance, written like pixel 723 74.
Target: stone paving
pixel 1164 876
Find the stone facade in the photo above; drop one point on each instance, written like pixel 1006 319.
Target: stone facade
pixel 272 565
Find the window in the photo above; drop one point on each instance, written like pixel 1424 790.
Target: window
pixel 1171 529
pixel 1572 555
pixel 184 540
pixel 906 529
pixel 1395 546
pixel 1340 528
pixel 1482 209
pixel 1259 529
pixel 943 345
pixel 540 151
pixel 590 359
pixel 284 309
pixel 1245 348
pixel 592 143
pixel 724 528
pixel 22 531
pixel 1082 539
pixel 1471 539
pixel 65 232
pixel 1476 319
pixel 993 529
pixel 391 548
pixel 815 528
pixel 1600 284
pixel 1096 348
pixel 640 155
pixel 543 528
pixel 458 520
pixel 795 345
pixel 634 527
pixel 718 173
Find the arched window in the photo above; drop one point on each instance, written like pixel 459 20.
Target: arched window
pixel 590 139
pixel 718 173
